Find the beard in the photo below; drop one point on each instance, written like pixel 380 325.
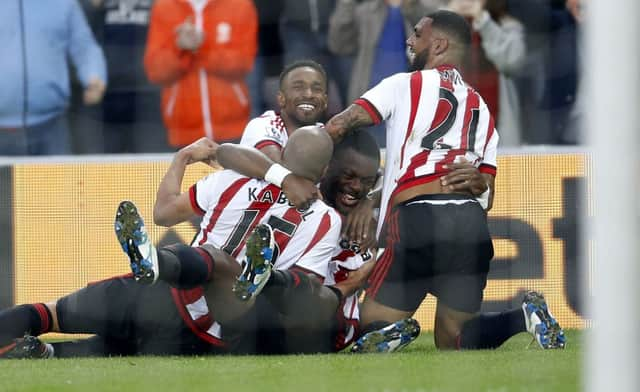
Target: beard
pixel 419 61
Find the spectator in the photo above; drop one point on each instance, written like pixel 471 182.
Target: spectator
pixel 130 114
pixel 551 87
pixel 200 52
pixel 498 56
pixel 37 39
pixel 304 28
pixel 376 33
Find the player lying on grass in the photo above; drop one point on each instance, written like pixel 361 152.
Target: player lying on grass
pixel 132 318
pixel 169 336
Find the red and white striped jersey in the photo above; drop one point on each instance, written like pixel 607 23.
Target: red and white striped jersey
pixel 432 118
pixel 346 258
pixel 232 205
pixel 268 129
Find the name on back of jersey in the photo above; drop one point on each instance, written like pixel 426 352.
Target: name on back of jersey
pixel 267 196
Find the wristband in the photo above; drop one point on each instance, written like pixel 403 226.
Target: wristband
pixel 276 174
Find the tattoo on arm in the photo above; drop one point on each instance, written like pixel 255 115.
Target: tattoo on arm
pixel 346 121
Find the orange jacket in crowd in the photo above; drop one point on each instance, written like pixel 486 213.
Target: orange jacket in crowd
pixel 204 92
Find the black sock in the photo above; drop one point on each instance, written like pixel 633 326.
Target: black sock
pixel 490 330
pixel 184 266
pixel 33 319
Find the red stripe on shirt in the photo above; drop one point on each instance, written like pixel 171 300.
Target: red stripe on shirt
pixel 415 86
pixel 180 303
pixel 344 255
pixel 203 323
pixel 282 239
pixel 194 201
pixel 263 207
pixel 369 108
pixel 416 161
pixel 450 157
pixel 207 259
pixel 224 200
pixel 323 228
pixel 381 269
pixel 265 143
pixel 191 295
pixel 45 322
pixel 490 131
pixel 414 182
pixel 473 102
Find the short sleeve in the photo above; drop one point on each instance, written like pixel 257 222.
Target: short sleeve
pixel 381 99
pixel 201 193
pixel 260 133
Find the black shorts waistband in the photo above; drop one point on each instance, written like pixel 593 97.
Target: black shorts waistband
pixel 438 196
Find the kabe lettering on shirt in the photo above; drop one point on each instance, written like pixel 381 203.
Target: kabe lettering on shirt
pixel 268 197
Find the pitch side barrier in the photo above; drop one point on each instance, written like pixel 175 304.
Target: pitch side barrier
pixel 56 225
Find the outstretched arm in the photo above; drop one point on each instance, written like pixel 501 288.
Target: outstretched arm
pixel 355 116
pixel 172 206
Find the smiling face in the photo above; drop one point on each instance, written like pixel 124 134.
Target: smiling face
pixel 419 44
pixel 303 97
pixel 349 178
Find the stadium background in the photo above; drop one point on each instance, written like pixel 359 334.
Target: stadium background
pixel 56 227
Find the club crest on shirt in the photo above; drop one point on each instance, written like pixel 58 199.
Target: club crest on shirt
pixel 273 132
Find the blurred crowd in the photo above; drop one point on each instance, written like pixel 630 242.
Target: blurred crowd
pixel 134 76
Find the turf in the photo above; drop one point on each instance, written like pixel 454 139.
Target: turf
pixel 513 367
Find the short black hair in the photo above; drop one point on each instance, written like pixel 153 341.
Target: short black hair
pixel 454 25
pixel 304 63
pixel 361 142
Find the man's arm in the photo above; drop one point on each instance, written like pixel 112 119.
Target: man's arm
pixel 274 153
pixel 356 280
pixel 355 116
pixel 172 206
pixel 250 162
pixel 247 161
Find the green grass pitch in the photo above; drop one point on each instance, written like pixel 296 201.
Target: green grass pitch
pixel 513 367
